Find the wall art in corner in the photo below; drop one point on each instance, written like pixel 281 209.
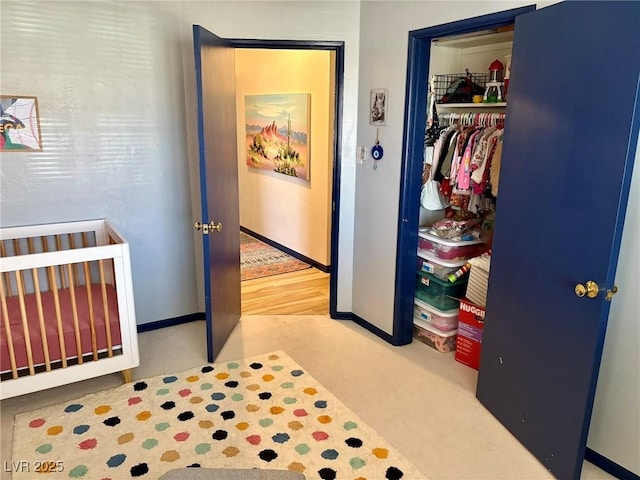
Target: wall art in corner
pixel 379 104
pixel 277 132
pixel 20 124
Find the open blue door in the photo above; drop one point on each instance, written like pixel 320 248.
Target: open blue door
pixel 570 140
pixel 215 90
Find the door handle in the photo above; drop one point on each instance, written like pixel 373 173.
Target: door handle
pixel 207 227
pixel 590 289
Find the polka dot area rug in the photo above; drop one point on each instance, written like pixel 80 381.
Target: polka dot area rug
pixel 262 412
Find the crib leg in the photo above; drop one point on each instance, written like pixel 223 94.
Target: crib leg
pixel 126 374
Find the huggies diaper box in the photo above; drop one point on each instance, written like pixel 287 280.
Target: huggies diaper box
pixel 470 327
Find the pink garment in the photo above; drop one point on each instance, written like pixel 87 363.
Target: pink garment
pixel 480 176
pixel 463 182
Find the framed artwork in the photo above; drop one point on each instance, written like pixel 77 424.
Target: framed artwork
pixel 20 129
pixel 277 132
pixel 379 104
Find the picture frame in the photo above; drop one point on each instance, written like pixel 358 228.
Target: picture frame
pixel 20 128
pixel 379 106
pixel 277 133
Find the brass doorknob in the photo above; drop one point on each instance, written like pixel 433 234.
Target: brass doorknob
pixel 215 226
pixel 590 289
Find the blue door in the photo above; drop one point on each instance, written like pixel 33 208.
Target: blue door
pixel 570 139
pixel 220 224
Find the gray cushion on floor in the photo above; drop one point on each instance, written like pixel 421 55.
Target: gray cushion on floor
pixel 230 474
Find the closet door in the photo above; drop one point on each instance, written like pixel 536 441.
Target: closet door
pixel 570 142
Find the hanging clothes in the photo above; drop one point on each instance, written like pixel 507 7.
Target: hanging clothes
pixel 494 175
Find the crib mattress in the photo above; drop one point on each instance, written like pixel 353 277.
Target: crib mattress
pixel 82 303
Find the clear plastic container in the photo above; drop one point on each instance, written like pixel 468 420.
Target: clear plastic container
pixel 444 342
pixel 448 249
pixel 440 268
pixel 439 293
pixel 442 320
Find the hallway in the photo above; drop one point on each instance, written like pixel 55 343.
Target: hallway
pixel 305 292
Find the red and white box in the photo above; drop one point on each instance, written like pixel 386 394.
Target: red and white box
pixel 470 327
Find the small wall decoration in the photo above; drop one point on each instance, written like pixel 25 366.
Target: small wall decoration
pixel 20 129
pixel 277 132
pixel 379 103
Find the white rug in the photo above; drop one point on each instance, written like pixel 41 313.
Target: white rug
pixel 262 412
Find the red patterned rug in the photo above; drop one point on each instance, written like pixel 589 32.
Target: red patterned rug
pixel 257 259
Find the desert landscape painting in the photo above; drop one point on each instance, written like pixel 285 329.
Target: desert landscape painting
pixel 277 133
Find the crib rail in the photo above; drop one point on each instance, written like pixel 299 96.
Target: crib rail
pixel 36 271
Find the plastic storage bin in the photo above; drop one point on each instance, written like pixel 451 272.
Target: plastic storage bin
pixel 436 266
pixel 442 320
pixel 444 342
pixel 439 293
pixel 448 249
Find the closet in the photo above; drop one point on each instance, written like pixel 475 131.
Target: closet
pixel 468 79
pixel 571 130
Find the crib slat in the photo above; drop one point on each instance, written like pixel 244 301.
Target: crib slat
pixel 92 321
pixel 7 328
pixel 43 329
pixel 56 303
pixel 25 324
pixel 105 307
pixel 74 310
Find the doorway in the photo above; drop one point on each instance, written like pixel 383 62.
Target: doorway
pixel 295 215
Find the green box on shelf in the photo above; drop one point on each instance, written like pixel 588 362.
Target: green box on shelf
pixel 439 293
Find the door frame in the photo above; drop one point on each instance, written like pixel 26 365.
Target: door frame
pixel 415 123
pixel 338 48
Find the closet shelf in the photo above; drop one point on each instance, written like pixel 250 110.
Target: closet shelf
pixel 471 105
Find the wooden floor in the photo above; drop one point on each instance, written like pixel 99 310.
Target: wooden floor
pixel 305 292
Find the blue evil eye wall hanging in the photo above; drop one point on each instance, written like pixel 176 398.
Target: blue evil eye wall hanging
pixel 377 151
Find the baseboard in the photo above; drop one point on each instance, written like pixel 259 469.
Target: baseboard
pixel 373 329
pixel 299 256
pixel 609 466
pixel 342 316
pixel 170 322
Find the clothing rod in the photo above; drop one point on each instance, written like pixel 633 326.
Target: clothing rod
pixel 474 118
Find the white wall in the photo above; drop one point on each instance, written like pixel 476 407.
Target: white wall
pixel 110 90
pixel 291 211
pixel 115 86
pixel 615 426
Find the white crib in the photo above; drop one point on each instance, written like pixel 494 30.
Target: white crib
pixel 67 305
